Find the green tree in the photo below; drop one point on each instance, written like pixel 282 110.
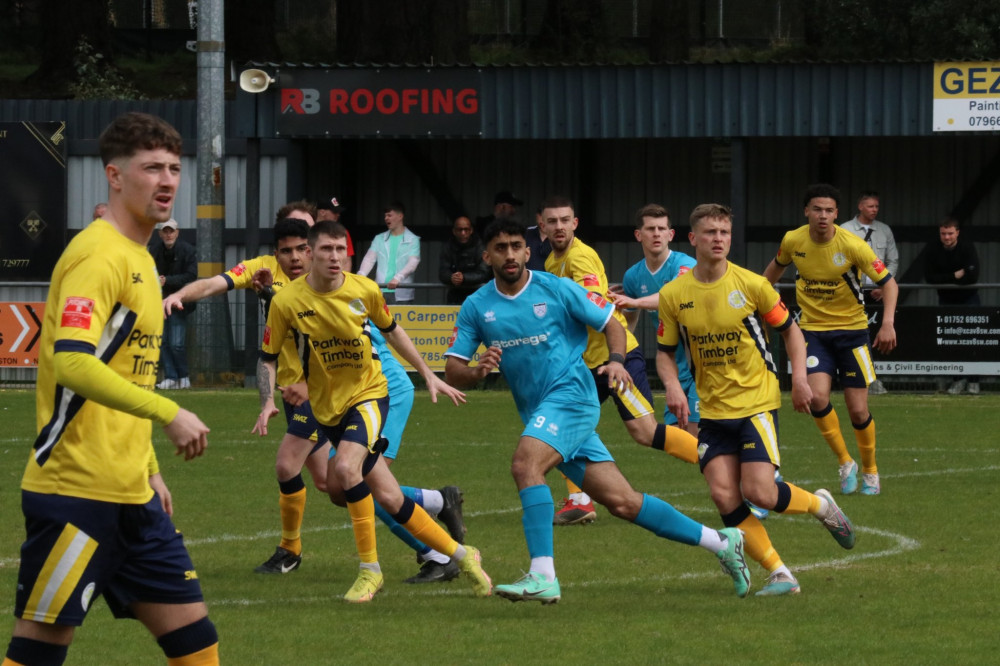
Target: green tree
pixel 389 31
pixel 669 30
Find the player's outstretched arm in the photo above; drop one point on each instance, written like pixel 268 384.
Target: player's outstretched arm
pixel 460 374
pixel 622 302
pixel 677 402
pixel 401 342
pixel 885 339
pixel 795 347
pixel 194 291
pixel 266 372
pixel 774 271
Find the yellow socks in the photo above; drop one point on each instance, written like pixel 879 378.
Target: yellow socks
pixel 865 434
pixel 829 426
pixel 293 508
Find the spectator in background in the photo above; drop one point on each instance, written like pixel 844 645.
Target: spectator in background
pixel 879 237
pixel 538 243
pixel 953 261
pixel 100 210
pixel 176 266
pixel 332 211
pixel 504 205
pixel 395 255
pixel 461 265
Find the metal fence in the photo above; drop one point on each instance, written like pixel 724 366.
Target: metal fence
pixel 238 342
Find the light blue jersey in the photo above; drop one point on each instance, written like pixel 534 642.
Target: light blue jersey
pixel 639 282
pixel 542 332
pixel 399 381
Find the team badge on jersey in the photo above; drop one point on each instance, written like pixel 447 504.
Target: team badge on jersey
pixel 878 265
pixel 358 307
pixel 737 299
pixel 490 316
pixel 839 259
pixel 596 299
pixel 591 280
pixel 77 312
pixel 540 309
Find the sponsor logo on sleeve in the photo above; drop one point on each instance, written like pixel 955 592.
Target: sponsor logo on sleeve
pixel 77 312
pixel 590 280
pixel 267 335
pixel 660 329
pixel 683 270
pixel 238 270
pixel 596 299
pixel 878 265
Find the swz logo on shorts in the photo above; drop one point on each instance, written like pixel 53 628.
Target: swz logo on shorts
pixel 552 428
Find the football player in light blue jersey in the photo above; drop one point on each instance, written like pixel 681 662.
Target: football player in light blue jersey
pixel 535 328
pixel 659 266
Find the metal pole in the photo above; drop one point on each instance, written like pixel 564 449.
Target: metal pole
pixel 213 348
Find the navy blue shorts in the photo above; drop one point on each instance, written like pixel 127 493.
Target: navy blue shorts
pixel 362 424
pixel 843 354
pixel 77 549
pixel 632 403
pixel 752 438
pixel 302 424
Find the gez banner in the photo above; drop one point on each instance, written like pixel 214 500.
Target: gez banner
pixel 32 199
pixel 378 102
pixel 940 341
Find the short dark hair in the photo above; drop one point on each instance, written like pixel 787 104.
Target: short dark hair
pixel 290 227
pixel 867 194
pixel 710 210
pixel 134 131
pixel 396 206
pixel 327 228
pixel 821 191
pixel 301 205
pixel 512 226
pixel 557 201
pixel 950 222
pixel 651 210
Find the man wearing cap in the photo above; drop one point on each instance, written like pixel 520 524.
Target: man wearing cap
pixel 332 211
pixel 505 204
pixel 395 255
pixel 176 266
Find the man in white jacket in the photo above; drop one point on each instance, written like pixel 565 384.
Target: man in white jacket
pixel 395 254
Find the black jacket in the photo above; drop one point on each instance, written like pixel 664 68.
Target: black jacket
pixel 465 259
pixel 941 264
pixel 178 265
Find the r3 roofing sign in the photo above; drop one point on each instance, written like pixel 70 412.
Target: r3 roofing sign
pixel 378 102
pixel 966 96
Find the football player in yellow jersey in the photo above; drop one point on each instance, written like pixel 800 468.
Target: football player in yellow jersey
pixel 302 444
pixel 720 310
pixel 829 261
pixel 330 312
pixel 572 258
pixel 94 525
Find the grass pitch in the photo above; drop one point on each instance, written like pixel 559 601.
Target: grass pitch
pixel 919 587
